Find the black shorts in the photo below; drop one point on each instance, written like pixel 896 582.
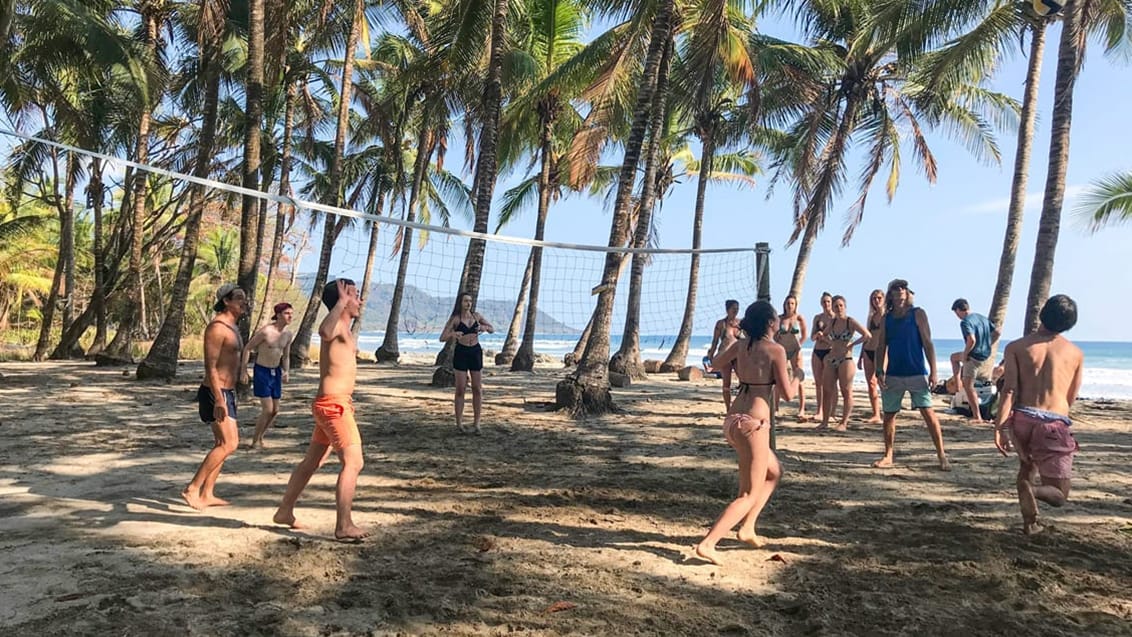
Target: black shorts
pixel 468 359
pixel 206 405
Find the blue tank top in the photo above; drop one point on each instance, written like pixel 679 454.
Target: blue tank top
pixel 905 351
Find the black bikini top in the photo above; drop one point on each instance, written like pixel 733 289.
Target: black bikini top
pixel 465 329
pixel 846 336
pixel 746 386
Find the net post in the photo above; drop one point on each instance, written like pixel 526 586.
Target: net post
pixel 762 270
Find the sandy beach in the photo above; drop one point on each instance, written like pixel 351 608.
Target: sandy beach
pixel 542 526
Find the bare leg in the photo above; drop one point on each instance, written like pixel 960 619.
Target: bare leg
pixel 818 367
pixel 845 380
pixel 801 376
pixel 352 464
pixel 874 390
pixel 889 440
pixel 937 436
pixel 269 409
pixel 754 460
pixel 461 385
pixel 828 394
pixel 477 399
pixel 1026 500
pixel 726 375
pixel 199 492
pixel 973 400
pixel 316 455
pixel 747 530
pixel 956 363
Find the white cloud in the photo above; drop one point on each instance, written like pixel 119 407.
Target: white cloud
pixel 1000 205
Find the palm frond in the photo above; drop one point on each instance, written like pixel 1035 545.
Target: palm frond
pixel 1107 202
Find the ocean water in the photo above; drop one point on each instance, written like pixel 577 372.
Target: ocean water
pixel 1108 366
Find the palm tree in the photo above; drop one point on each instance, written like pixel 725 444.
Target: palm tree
pixel 161 360
pixel 253 124
pixel 588 390
pixel 872 90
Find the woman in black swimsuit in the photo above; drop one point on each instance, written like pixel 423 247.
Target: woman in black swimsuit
pixel 819 333
pixel 760 365
pixel 465 326
pixel 838 367
pixel 868 361
pixel 791 334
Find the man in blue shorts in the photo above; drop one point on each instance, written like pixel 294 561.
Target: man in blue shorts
pixel 905 342
pixel 272 347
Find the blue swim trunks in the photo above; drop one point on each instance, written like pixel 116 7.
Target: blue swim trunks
pixel 267 382
pixel 206 405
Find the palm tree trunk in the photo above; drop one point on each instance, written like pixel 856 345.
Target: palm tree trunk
pixel 389 350
pixel 250 228
pixel 98 297
pixel 678 357
pixel 1069 54
pixel 67 243
pixel 300 354
pixel 161 361
pixel 818 206
pixel 371 257
pixel 511 343
pixel 282 211
pixel 486 171
pixel 267 176
pixel 119 348
pixel 1029 115
pixel 524 359
pixel 627 360
pixel 588 390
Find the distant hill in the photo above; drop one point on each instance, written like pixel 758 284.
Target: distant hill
pixel 422 312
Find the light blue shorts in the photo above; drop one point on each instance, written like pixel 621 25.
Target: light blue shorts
pixel 892 396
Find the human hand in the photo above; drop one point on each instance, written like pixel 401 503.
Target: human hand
pixel 342 287
pixel 245 378
pixel 932 380
pixel 1001 442
pixel 286 376
pixel 220 410
pixel 880 379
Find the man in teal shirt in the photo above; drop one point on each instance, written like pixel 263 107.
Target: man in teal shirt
pixel 978 335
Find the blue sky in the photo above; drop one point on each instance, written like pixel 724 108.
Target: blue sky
pixel 945 239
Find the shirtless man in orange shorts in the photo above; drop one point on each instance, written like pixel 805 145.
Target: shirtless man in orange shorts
pixel 1043 375
pixel 333 410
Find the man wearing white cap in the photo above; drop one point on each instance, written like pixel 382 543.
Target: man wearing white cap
pixel 216 397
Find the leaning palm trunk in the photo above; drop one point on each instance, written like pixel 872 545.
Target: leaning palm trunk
pixel 282 211
pixel 627 360
pixel 371 257
pixel 1021 171
pixel 389 350
pixel 511 342
pixel 161 361
pixel 131 316
pixel 587 391
pixel 524 360
pixel 250 229
pixel 486 172
pixel 832 155
pixel 1070 52
pixel 300 348
pixel 62 283
pixel 678 357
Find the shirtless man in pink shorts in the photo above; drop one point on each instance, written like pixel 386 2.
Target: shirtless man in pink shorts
pixel 333 411
pixel 1043 374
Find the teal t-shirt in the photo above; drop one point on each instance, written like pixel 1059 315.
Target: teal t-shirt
pixel 981 327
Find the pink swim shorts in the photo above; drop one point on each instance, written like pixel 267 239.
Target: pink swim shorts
pixel 1045 437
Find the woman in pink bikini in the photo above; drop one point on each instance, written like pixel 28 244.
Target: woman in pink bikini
pixel 760 365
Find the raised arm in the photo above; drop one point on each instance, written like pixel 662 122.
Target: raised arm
pixel 331 325
pixel 818 330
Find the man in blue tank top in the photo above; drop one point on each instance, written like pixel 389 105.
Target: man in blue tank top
pixel 905 343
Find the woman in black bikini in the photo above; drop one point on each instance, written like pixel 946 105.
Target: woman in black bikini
pixel 818 333
pixel 791 334
pixel 839 367
pixel 868 361
pixel 465 326
pixel 760 364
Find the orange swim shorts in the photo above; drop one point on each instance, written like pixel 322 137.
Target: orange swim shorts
pixel 334 423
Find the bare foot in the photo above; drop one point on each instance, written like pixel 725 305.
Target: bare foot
pixel 193 499
pixel 883 462
pixel 803 418
pixel 708 554
pixel 944 465
pixel 875 420
pixel 258 444
pixel 1032 528
pixel 751 538
pixel 287 520
pixel 822 427
pixel 842 427
pixel 213 501
pixel 350 534
pixel 477 430
pixel 461 428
